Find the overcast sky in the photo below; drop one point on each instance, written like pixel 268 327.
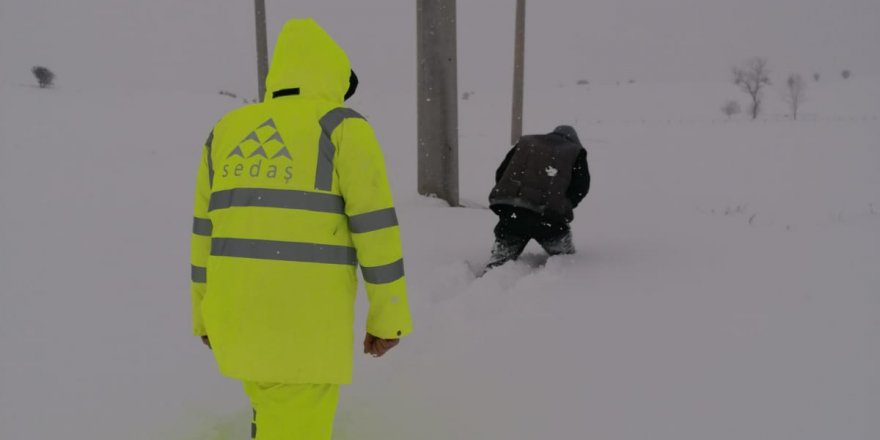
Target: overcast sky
pixel 208 44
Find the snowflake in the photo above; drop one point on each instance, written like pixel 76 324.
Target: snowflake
pixel 551 171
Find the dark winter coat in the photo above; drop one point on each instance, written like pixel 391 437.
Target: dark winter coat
pixel 546 174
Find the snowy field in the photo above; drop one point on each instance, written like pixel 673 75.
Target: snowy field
pixel 726 285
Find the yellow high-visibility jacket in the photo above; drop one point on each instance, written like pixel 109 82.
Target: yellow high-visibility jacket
pixel 291 196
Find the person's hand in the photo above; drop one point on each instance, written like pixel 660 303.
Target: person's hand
pixel 206 341
pixel 377 346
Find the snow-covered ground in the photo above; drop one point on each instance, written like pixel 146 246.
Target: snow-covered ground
pixel 726 285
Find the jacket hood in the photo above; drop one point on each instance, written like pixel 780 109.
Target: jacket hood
pixel 306 57
pixel 568 132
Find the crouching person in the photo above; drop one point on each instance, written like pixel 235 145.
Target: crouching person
pixel 537 186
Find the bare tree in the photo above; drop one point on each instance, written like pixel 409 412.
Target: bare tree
pixel 730 108
pixel 44 76
pixel 794 93
pixel 816 76
pixel 846 74
pixel 751 77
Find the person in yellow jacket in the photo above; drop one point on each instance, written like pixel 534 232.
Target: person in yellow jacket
pixel 291 196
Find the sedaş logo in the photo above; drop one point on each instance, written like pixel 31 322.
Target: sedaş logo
pixel 265 138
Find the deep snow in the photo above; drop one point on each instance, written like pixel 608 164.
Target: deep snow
pixel 726 284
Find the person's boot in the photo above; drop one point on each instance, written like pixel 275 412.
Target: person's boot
pixel 504 251
pixel 561 245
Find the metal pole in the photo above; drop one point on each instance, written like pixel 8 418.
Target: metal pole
pixel 262 47
pixel 518 61
pixel 438 100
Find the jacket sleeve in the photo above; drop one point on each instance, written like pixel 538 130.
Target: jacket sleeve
pixel 374 229
pixel 200 242
pixel 580 179
pixel 500 171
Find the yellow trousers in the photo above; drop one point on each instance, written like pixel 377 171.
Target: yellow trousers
pixel 292 411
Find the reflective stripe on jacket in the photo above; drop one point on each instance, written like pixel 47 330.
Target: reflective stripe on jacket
pixel 291 196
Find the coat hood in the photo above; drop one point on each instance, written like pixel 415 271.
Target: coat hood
pixel 568 132
pixel 306 57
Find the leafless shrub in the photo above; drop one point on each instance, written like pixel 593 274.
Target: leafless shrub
pixel 730 108
pixel 794 93
pixel 44 76
pixel 730 210
pixel 751 78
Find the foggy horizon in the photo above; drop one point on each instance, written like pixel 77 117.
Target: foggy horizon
pixel 602 41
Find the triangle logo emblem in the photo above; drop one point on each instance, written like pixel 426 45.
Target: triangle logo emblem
pixel 282 152
pixel 252 137
pixel 275 137
pixel 270 130
pixel 236 152
pixel 268 123
pixel 259 152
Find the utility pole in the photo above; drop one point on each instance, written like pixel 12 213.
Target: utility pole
pixel 262 47
pixel 438 100
pixel 518 67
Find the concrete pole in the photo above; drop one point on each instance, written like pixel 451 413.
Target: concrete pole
pixel 518 67
pixel 262 47
pixel 438 100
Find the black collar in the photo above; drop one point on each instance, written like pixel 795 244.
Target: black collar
pixel 285 92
